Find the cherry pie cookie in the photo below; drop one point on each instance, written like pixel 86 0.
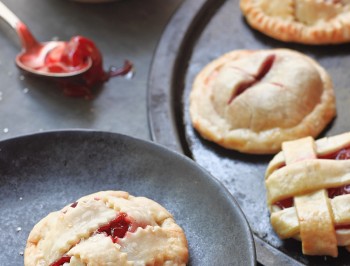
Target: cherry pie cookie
pixel 302 21
pixel 107 228
pixel 308 193
pixel 252 101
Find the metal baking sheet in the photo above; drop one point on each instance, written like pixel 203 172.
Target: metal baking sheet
pixel 199 32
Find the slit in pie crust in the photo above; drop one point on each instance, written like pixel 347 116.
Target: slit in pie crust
pixel 303 21
pixel 252 101
pixel 308 193
pixel 107 228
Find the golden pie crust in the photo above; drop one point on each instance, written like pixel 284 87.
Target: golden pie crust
pixel 252 101
pixel 302 21
pixel 305 172
pixel 153 237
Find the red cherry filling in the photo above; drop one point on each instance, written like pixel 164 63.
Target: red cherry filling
pixel 343 154
pixel 333 192
pixel 61 261
pixel 74 204
pixel 116 228
pixel 286 203
pixel 346 226
pixel 264 69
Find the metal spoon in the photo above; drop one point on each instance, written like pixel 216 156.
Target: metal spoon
pixel 34 52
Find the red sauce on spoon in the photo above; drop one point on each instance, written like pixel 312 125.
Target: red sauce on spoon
pixel 68 57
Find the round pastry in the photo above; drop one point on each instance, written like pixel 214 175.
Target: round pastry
pixel 302 21
pixel 252 101
pixel 308 193
pixel 107 228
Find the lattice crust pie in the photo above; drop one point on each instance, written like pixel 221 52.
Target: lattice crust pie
pixel 107 228
pixel 252 101
pixel 302 21
pixel 308 186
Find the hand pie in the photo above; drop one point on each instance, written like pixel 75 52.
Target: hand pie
pixel 302 21
pixel 252 101
pixel 308 186
pixel 107 228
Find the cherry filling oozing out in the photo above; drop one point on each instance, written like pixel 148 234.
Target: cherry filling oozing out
pixel 343 154
pixel 264 69
pixel 64 259
pixel 115 229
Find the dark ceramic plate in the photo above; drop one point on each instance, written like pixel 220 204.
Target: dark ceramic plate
pixel 42 173
pixel 200 31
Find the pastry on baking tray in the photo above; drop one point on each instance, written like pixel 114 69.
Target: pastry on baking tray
pixel 308 186
pixel 302 21
pixel 252 101
pixel 107 228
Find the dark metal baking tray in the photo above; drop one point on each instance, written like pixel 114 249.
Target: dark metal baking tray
pixel 199 32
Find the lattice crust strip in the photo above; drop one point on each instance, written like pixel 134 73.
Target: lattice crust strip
pixel 296 174
pixel 304 176
pixel 324 146
pixel 316 224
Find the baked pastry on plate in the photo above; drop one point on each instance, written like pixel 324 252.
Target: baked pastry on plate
pixel 308 193
pixel 107 228
pixel 302 21
pixel 252 101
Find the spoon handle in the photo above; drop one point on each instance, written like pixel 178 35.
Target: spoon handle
pixel 27 39
pixel 7 15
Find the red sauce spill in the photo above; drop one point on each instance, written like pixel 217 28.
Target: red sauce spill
pixel 70 57
pixel 343 154
pixel 116 228
pixel 61 261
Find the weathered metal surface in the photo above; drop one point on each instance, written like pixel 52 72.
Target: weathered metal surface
pixel 198 33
